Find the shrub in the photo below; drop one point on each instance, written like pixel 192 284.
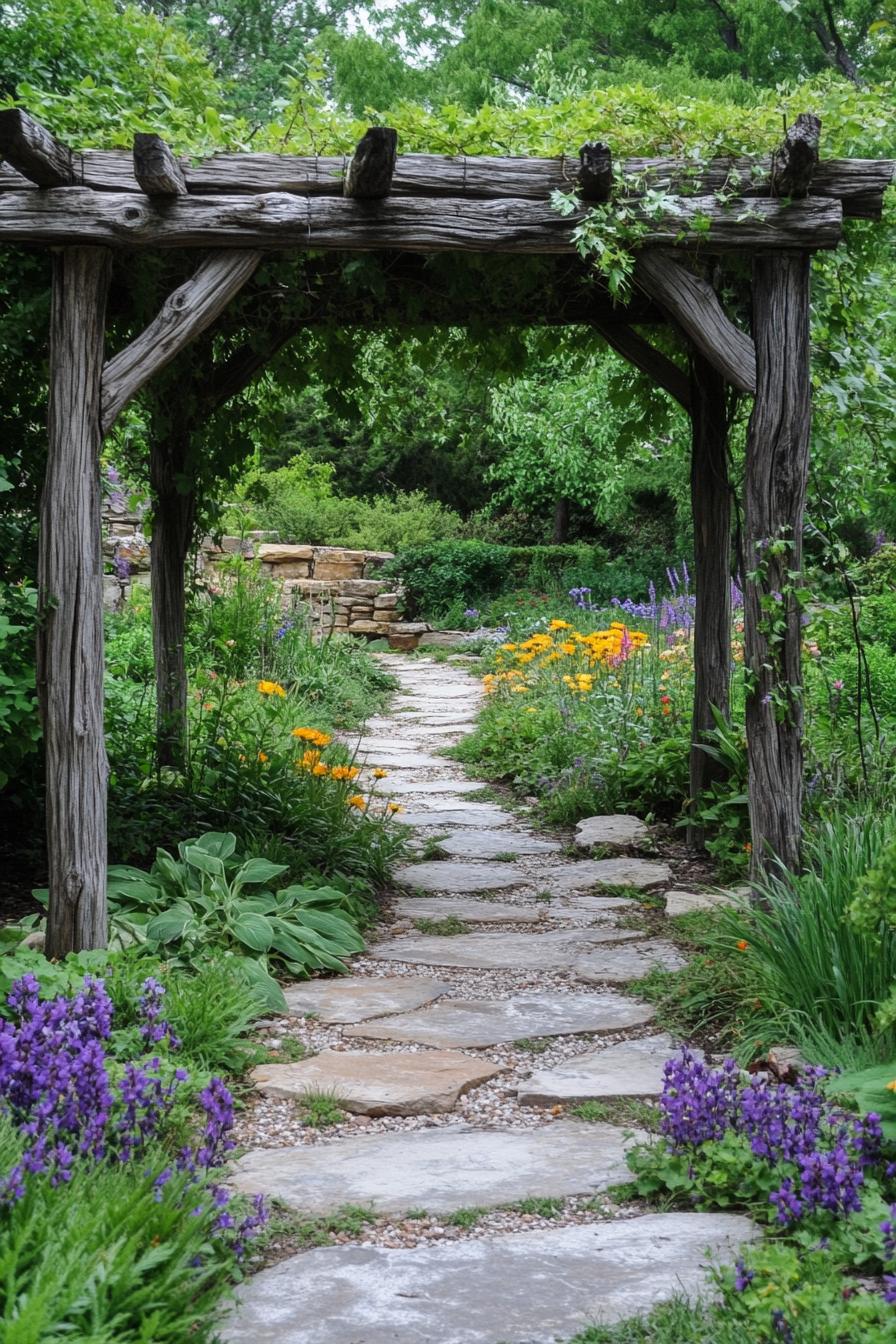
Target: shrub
pixel 19 723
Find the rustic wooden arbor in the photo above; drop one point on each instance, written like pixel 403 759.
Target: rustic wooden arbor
pixel 773 213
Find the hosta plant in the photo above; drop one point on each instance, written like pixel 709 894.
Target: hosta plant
pixel 211 900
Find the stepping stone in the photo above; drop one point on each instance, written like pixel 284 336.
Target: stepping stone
pixel 476 1023
pixel 439 1170
pixel 426 786
pixel 685 902
pixel 617 965
pixel 622 872
pixel 630 1069
pixel 616 832
pixel 553 951
pixel 354 998
pixel 418 696
pixel 489 816
pixel 521 1288
pixel 486 844
pixel 458 876
pixel 404 760
pixel 468 908
pixel 571 907
pixel 426 1083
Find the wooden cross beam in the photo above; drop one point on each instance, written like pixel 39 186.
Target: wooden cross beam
pixel 156 169
pixel 657 366
pixel 369 174
pixel 79 217
pixel 33 151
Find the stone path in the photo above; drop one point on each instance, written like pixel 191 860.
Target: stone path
pixel 489 1005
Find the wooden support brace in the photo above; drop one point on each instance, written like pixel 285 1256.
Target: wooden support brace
pixel 155 167
pixel 70 583
pixel 695 306
pixel 595 172
pixel 369 175
pixel 183 315
pixel 33 151
pixel 794 164
pixel 649 360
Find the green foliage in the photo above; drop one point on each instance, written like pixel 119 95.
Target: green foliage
pixel 321 1110
pixel 108 1257
pixel 870 1090
pixel 199 905
pixel 19 724
pixel 445 928
pixel 820 976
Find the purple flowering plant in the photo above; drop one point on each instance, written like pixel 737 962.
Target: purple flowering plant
pixel 74 1107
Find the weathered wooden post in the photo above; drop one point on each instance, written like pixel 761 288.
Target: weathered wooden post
pixel 70 641
pixel 777 466
pixel 711 506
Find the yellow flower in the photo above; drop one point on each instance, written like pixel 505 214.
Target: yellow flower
pixel 310 759
pixel 271 688
pixel 568 647
pixel 380 774
pixel 344 772
pixel 262 757
pixel 395 807
pixel 321 769
pixel 356 801
pixel 313 735
pixel 559 625
pixel 890 1087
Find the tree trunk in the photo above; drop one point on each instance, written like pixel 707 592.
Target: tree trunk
pixel 777 465
pixel 711 505
pixel 70 580
pixel 173 517
pixel 561 521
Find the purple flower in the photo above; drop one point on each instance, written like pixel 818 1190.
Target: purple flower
pixel 471 614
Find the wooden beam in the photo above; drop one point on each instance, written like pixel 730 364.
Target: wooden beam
pixel 595 172
pixel 695 306
pixel 711 510
pixel 795 163
pixel 157 171
pixel 76 216
pixel 369 175
pixel 775 474
pixel 70 583
pixel 189 310
pixel 859 183
pixel 33 151
pixel 657 366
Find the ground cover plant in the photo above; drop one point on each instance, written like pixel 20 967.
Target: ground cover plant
pixel 113 1223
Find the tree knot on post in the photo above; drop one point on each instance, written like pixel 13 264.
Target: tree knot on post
pixel 795 161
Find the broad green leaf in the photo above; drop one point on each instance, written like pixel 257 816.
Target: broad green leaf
pixel 254 931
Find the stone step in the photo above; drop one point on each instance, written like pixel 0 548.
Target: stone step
pixel 447 876
pixel 523 1288
pixel 475 1024
pixel 615 831
pixel 424 787
pixel 475 844
pixel 619 965
pixel 440 1170
pixel 458 816
pixel 640 874
pixel 554 950
pixel 629 1069
pixel 354 998
pixel 426 1083
pixel 398 759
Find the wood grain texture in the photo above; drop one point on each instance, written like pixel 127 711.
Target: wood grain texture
pixel 70 581
pixel 711 511
pixel 33 151
pixel 858 183
pixel 794 164
pixel 695 306
pixel 184 314
pixel 77 216
pixel 369 174
pixel 776 472
pixel 156 170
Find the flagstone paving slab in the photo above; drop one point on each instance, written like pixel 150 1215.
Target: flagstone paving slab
pixel 396 759
pixel 477 1023
pixel 524 1288
pixel 475 844
pixel 685 902
pixel 435 786
pixel 614 831
pixel 469 909
pixel 488 817
pixel 458 876
pixel 426 1083
pixel 632 961
pixel 630 1069
pixel 554 950
pixel 642 874
pixel 439 1170
pixel 354 998
pixel 569 907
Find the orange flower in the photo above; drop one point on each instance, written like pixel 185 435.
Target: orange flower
pixel 742 945
pixel 380 774
pixel 345 772
pixel 321 769
pixel 310 759
pixel 357 801
pixel 395 807
pixel 262 757
pixel 270 688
